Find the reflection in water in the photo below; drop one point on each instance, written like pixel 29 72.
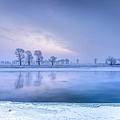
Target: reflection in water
pixel 19 82
pixel 60 86
pixel 39 78
pixel 111 74
pixel 28 79
pixel 52 76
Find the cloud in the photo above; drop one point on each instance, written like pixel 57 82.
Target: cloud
pixel 5 29
pixel 7 38
pixel 32 38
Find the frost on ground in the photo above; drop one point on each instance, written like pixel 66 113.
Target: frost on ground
pixel 87 69
pixel 58 111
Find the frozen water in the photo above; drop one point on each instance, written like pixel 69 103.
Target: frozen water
pixel 70 87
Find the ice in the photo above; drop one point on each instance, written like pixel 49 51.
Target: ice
pixel 87 87
pixel 58 111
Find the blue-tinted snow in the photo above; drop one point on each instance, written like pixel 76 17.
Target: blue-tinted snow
pixel 58 111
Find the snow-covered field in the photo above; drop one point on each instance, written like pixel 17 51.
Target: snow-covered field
pixel 58 111
pixel 62 69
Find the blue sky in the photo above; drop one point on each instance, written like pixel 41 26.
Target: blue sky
pixel 84 29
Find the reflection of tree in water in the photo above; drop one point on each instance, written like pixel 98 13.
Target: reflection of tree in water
pixel 28 79
pixel 111 74
pixel 19 82
pixel 52 76
pixel 39 78
pixel 95 73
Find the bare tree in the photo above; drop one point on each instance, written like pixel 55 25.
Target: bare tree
pixel 38 55
pixel 29 56
pixel 20 55
pixel 67 61
pixel 95 60
pixel 77 60
pixel 52 59
pixel 111 60
pixel 62 61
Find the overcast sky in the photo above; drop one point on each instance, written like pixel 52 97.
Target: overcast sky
pixel 84 29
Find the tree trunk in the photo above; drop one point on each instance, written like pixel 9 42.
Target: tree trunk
pixel 28 62
pixel 52 62
pixel 111 63
pixel 38 62
pixel 20 62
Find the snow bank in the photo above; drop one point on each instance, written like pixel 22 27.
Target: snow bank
pixel 58 111
pixel 87 69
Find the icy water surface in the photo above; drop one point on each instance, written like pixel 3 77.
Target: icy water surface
pixel 70 87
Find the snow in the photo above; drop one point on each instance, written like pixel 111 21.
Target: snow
pixel 58 111
pixel 86 69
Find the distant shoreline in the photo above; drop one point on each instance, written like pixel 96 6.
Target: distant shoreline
pixel 54 69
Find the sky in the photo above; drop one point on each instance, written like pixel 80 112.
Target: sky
pixel 74 29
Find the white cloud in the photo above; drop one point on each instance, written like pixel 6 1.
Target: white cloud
pixel 32 38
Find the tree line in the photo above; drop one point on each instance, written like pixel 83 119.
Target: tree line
pixel 27 58
pixel 21 54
